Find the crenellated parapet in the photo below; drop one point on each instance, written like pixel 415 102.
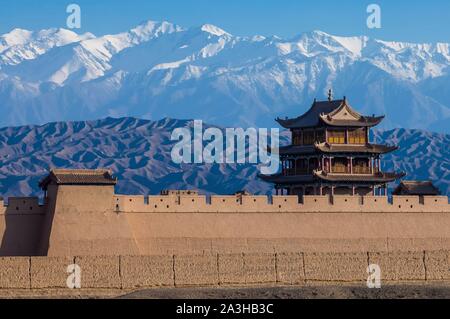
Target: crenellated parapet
pixel 250 204
pixel 21 206
pixel 285 204
pixel 91 219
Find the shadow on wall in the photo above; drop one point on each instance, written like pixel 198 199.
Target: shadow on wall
pixel 22 224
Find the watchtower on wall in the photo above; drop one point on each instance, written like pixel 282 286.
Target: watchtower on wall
pixel 331 153
pixel 79 206
pixel 80 188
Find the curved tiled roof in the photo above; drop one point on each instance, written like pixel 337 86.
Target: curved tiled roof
pixel 78 177
pixel 312 117
pixel 417 188
pixel 324 111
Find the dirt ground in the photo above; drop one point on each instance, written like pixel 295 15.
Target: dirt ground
pixel 318 292
pixel 414 291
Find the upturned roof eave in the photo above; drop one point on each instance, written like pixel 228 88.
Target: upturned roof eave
pixel 384 178
pixel 374 121
pixel 328 149
pixel 311 114
pixel 364 149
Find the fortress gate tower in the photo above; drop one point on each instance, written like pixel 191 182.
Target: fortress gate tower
pixel 331 153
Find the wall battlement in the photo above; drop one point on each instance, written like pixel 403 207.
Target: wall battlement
pixel 251 204
pixel 286 204
pixel 91 220
pixel 21 206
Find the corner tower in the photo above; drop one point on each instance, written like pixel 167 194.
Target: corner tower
pixel 80 218
pixel 331 153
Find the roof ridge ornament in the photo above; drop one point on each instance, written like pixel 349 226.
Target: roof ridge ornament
pixel 330 95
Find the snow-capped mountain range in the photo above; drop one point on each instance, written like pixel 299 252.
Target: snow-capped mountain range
pixel 138 152
pixel 159 69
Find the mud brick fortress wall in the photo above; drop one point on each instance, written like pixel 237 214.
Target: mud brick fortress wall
pixel 222 269
pixel 94 221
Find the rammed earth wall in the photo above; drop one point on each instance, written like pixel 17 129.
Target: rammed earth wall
pixel 280 268
pixel 94 221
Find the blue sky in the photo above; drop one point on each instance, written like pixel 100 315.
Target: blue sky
pixel 402 20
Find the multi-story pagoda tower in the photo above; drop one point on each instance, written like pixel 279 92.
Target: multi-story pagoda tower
pixel 331 153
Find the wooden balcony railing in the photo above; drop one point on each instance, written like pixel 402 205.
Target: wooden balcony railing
pixel 335 170
pixel 340 170
pixel 361 170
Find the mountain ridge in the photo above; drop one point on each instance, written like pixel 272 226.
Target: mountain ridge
pixel 138 151
pixel 160 69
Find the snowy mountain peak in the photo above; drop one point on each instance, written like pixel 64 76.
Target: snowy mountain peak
pixel 214 30
pixel 151 29
pixel 22 45
pixel 17 35
pixel 160 69
pixel 354 45
pixel 14 37
pixel 59 36
pixel 319 41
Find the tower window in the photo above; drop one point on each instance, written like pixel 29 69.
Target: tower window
pixel 357 136
pixel 336 137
